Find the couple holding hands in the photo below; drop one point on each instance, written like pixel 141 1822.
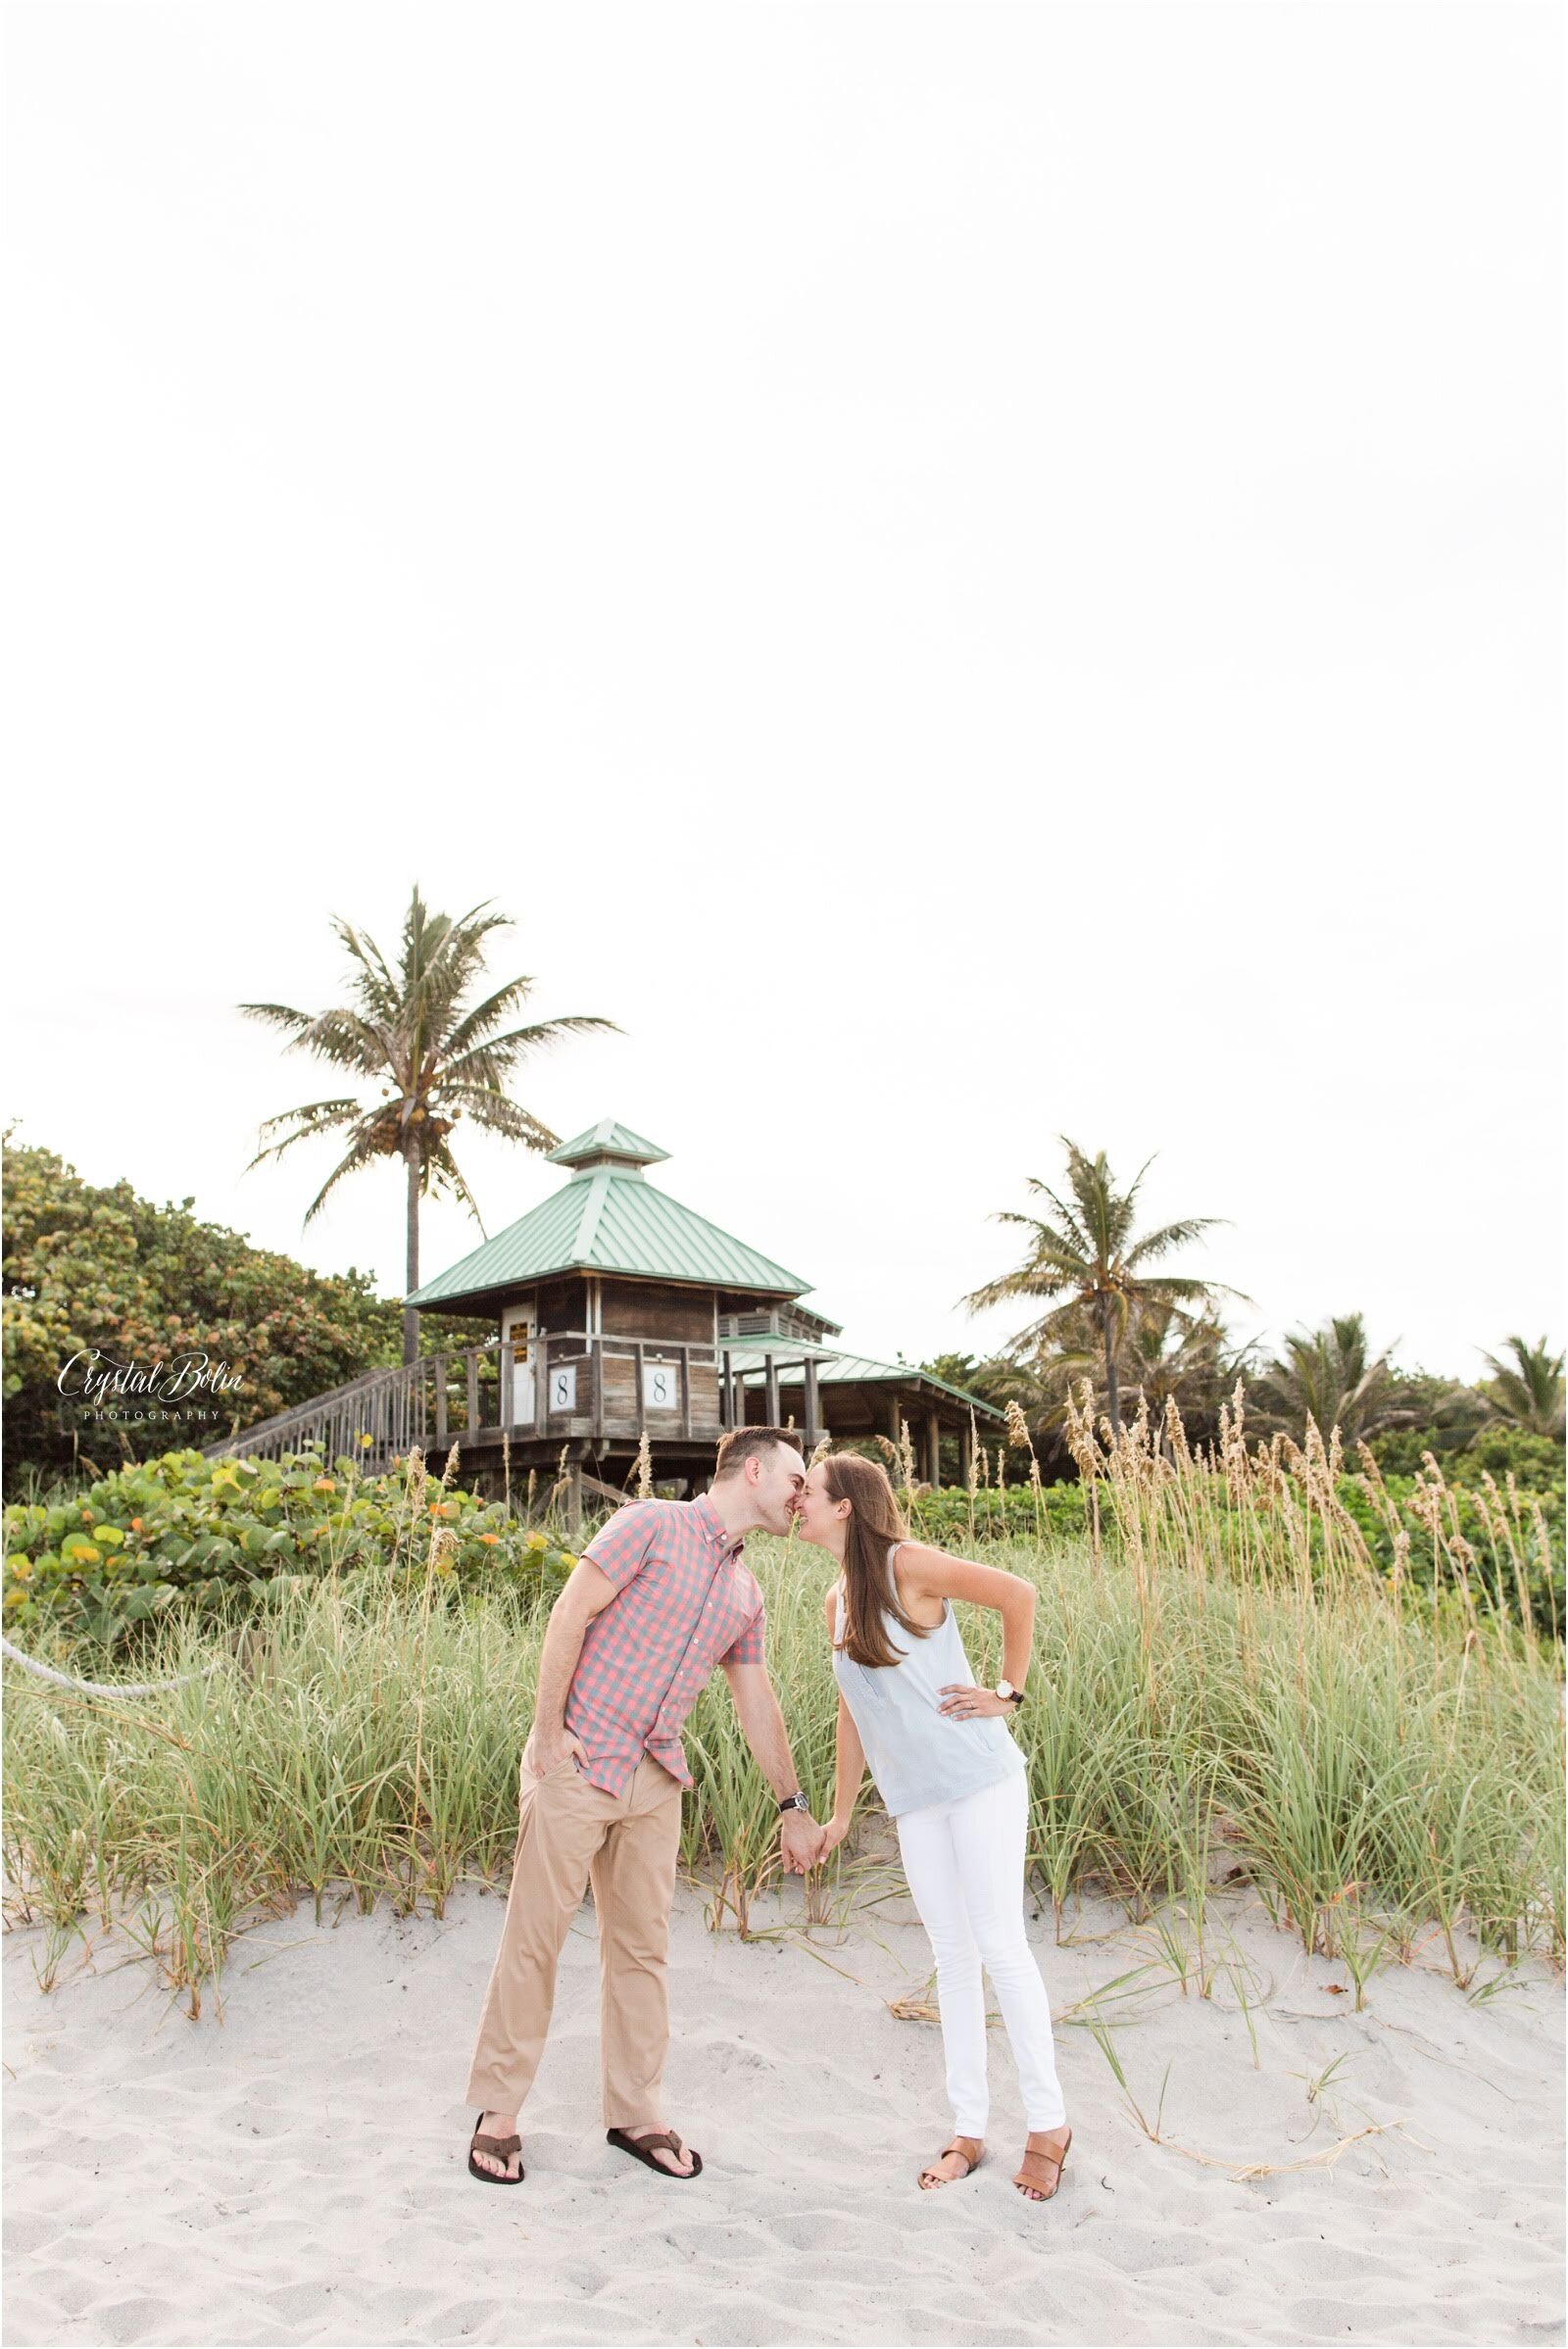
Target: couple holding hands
pixel 656 1599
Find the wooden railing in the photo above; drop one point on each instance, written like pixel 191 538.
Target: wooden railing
pixel 612 1387
pixel 572 1385
pixel 432 1402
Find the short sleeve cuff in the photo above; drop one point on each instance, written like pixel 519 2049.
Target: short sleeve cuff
pixel 749 1647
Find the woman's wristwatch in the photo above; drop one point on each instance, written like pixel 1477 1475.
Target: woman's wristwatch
pixel 1010 1695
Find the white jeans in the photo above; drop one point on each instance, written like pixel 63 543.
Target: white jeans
pixel 963 1862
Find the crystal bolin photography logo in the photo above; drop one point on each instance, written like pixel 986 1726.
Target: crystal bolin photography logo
pixel 122 1392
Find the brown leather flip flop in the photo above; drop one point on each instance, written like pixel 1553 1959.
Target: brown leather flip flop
pixel 502 2148
pixel 641 2150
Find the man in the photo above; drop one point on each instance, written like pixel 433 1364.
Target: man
pixel 658 1597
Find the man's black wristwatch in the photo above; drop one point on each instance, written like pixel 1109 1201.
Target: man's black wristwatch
pixel 793 1802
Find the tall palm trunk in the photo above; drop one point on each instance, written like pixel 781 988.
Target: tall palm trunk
pixel 411 1315
pixel 1112 1392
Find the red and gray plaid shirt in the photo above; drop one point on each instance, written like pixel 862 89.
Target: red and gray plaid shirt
pixel 683 1603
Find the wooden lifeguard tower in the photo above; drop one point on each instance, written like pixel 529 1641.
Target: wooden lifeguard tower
pixel 620 1314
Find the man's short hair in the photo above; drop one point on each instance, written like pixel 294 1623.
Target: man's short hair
pixel 744 1444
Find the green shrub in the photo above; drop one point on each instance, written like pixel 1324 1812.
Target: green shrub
pixel 1014 1514
pixel 185 1534
pixel 1534 1462
pixel 98 1270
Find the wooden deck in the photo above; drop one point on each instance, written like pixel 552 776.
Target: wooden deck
pixel 597 1394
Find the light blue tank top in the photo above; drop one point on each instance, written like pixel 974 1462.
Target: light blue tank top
pixel 914 1751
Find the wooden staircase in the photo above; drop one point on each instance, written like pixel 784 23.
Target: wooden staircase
pixel 374 1418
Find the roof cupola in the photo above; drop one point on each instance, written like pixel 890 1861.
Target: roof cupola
pixel 608 1144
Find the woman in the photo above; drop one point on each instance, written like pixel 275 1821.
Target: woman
pixel 949 1775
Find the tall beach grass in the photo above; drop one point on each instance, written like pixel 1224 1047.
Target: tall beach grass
pixel 1221 1681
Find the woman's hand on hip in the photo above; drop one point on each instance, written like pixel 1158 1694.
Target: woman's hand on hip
pixel 974 1704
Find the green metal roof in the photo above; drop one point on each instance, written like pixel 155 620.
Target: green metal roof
pixel 775 1342
pixel 606 1140
pixel 836 1370
pixel 609 1219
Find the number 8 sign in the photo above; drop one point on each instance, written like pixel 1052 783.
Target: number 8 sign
pixel 660 1387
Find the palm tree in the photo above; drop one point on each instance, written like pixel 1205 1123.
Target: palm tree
pixel 1090 1258
pixel 1183 1358
pixel 1329 1376
pixel 1166 1355
pixel 435 1060
pixel 1527 1393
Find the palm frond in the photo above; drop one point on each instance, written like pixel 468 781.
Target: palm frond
pixel 360 1154
pixel 448 1177
pixel 496 1114
pixel 317 1118
pixel 494 1058
pixel 277 1015
pixel 1169 1236
pixel 472 1028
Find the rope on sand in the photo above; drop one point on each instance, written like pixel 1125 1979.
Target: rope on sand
pixel 65 1679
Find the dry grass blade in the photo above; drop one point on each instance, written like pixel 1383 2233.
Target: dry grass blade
pixel 1324 2159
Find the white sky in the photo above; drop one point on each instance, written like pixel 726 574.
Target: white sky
pixel 967 573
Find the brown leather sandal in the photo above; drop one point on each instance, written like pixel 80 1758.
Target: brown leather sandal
pixel 502 2148
pixel 972 2159
pixel 1053 2164
pixel 641 2149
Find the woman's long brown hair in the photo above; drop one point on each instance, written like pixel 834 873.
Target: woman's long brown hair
pixel 873 1525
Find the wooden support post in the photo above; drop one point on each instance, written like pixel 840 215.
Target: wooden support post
pixel 933 1450
pixel 541 1384
pixel 895 1417
pixel 574 1503
pixel 813 1415
pixel 471 1364
pixel 638 1409
pixel 596 1359
pixel 726 1394
pixel 966 1451
pixel 770 1373
pixel 685 1390
pixel 438 1371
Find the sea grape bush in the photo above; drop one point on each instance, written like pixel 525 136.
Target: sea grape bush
pixel 181 1532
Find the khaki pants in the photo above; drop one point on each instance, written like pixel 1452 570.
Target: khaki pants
pixel 572 1833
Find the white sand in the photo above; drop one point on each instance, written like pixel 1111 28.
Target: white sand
pixel 296 2172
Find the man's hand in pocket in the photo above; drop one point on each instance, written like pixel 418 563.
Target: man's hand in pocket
pixel 547 1749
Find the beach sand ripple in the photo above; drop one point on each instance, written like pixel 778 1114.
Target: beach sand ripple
pixel 296 2172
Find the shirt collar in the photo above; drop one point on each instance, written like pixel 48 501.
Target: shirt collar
pixel 709 1518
